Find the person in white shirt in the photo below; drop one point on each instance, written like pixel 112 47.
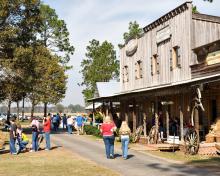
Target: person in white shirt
pixel 70 124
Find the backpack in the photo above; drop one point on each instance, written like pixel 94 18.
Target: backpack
pixel 54 120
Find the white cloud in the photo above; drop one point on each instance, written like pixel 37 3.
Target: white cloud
pixel 108 20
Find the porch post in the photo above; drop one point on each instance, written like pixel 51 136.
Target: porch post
pixel 106 110
pixel 126 111
pixel 93 113
pixel 111 107
pixel 134 116
pixel 144 121
pixel 167 122
pixel 156 120
pixel 122 110
pixel 181 124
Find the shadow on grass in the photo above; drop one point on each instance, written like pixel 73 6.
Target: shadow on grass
pixel 4 152
pixel 55 147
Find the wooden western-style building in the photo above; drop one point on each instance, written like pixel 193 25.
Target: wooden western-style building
pixel 161 71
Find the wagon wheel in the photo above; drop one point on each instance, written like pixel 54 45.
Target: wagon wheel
pixel 137 134
pixel 191 142
pixel 153 135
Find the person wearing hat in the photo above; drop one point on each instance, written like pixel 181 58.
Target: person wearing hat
pixel 125 132
pixel 107 130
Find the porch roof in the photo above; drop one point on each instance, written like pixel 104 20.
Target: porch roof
pixel 191 82
pixel 96 105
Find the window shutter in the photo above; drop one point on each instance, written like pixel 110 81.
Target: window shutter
pixel 158 64
pixel 171 60
pixel 151 65
pixel 127 73
pixel 141 69
pixel 136 71
pixel 178 57
pixel 123 75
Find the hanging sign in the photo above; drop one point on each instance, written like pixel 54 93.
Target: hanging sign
pixel 131 47
pixel 163 34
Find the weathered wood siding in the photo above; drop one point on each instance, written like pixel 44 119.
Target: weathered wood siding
pixel 180 27
pixel 206 29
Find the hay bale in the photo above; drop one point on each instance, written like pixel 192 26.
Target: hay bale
pixel 217 126
pixel 210 138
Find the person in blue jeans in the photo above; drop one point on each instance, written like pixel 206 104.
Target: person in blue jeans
pixel 47 128
pixel 107 129
pixel 124 132
pixel 35 132
pixel 70 124
pixel 79 124
pixel 109 146
pixel 13 135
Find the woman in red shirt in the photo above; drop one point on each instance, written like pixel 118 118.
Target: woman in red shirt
pixel 107 129
pixel 47 126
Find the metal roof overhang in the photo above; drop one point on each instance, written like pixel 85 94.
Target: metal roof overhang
pixel 191 82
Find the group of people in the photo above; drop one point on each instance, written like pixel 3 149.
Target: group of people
pixel 39 132
pixel 107 130
pixel 16 135
pixel 76 122
pixel 19 140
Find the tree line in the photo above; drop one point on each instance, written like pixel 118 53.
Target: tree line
pixel 54 109
pixel 34 53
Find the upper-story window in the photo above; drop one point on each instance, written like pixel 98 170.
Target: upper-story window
pixel 155 64
pixel 125 74
pixel 175 58
pixel 138 69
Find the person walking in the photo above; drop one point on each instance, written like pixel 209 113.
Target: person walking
pixel 47 127
pixel 79 124
pixel 107 130
pixel 64 119
pixel 13 136
pixel 35 132
pixel 55 122
pixel 70 124
pixel 124 132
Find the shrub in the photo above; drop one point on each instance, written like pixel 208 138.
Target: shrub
pixel 92 130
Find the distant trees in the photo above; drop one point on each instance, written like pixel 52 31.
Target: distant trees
pixel 76 108
pixel 53 109
pixel 60 108
pixel 100 65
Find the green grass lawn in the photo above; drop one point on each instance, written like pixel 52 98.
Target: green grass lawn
pixel 56 162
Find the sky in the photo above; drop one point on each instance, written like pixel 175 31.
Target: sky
pixel 108 20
